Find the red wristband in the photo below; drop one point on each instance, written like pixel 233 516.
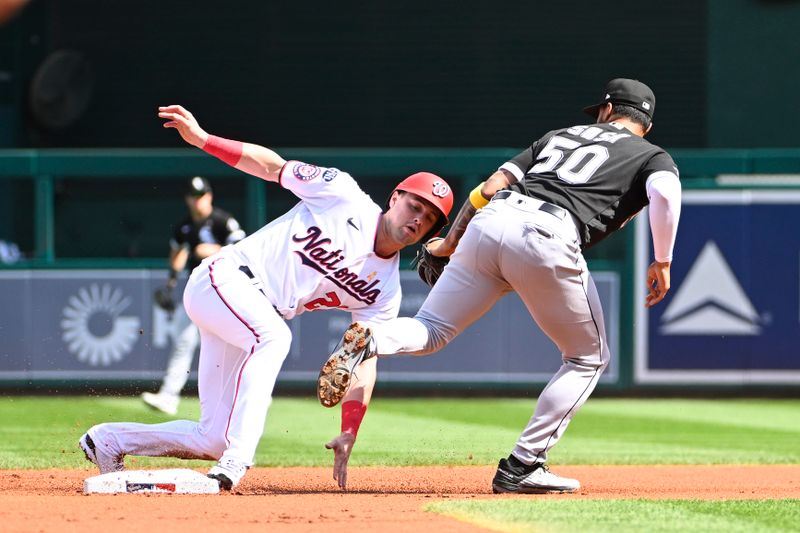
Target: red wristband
pixel 352 415
pixel 225 149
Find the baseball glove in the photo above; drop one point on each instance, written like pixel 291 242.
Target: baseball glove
pixel 164 299
pixel 429 266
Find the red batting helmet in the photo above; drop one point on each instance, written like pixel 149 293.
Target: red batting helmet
pixel 433 189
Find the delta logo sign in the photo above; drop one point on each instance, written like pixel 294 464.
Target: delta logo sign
pixel 734 304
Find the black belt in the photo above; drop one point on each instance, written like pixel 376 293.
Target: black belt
pixel 558 212
pixel 249 273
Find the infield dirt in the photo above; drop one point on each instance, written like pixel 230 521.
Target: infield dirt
pixel 379 499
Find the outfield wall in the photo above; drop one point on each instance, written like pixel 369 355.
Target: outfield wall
pixel 94 224
pixel 407 73
pixel 95 326
pixel 733 315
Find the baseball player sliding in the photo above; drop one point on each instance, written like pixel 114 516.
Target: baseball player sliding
pixel 565 193
pixel 335 249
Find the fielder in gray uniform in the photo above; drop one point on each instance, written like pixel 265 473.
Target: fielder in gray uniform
pixel 562 195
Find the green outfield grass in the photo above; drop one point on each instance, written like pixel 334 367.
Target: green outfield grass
pixel 627 516
pixel 42 432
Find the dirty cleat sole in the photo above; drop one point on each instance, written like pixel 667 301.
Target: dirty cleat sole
pixel 336 374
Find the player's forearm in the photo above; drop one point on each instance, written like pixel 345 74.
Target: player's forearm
pixel 459 226
pixel 253 159
pixel 178 259
pixel 499 180
pixel 261 161
pixel 177 262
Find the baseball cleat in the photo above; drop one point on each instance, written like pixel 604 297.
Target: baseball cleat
pixel 101 455
pixel 228 473
pixel 530 479
pixel 166 403
pixel 335 376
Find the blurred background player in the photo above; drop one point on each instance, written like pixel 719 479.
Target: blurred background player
pixel 201 234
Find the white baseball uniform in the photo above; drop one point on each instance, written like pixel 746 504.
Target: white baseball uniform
pixel 319 255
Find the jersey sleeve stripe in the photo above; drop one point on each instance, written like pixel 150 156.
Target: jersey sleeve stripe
pixel 280 172
pixel 660 174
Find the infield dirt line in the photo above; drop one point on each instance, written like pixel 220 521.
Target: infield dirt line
pixel 385 499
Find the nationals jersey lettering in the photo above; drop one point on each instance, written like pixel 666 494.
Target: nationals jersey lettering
pixel 322 258
pixel 320 254
pixel 597 172
pixel 323 261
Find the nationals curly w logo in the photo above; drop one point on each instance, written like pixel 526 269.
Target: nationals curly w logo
pixel 440 189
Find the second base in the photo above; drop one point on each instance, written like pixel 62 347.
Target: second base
pixel 174 481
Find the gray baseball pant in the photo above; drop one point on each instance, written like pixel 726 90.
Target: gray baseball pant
pixel 511 244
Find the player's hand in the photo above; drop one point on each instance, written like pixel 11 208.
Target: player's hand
pixel 341 446
pixel 438 248
pixel 183 121
pixel 657 282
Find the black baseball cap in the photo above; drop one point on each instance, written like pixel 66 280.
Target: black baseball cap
pixel 197 186
pixel 628 92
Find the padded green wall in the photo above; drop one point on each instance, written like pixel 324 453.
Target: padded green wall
pixel 380 73
pixel 753 73
pixel 413 73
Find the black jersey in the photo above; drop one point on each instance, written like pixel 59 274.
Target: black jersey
pixel 597 172
pixel 219 228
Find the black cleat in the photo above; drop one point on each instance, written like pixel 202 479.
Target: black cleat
pixel 224 481
pixel 530 479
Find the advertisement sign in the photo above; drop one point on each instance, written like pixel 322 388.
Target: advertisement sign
pixel 733 312
pixel 103 325
pixel 504 346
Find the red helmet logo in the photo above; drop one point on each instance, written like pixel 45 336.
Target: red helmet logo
pixel 440 189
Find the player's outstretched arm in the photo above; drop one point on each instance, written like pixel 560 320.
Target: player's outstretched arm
pixel 250 158
pixel 499 180
pixel 354 406
pixel 664 193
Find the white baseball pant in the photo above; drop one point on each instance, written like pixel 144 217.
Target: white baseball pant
pixel 180 360
pixel 243 342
